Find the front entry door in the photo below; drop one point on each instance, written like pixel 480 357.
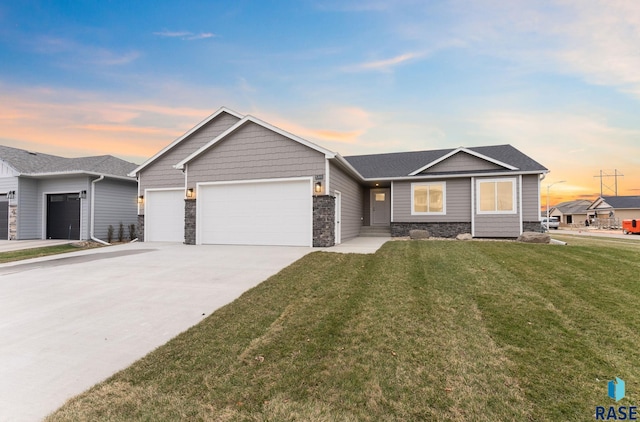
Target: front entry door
pixel 63 216
pixel 380 207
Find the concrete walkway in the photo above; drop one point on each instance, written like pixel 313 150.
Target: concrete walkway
pixel 364 245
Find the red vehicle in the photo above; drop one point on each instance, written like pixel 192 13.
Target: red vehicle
pixel 630 226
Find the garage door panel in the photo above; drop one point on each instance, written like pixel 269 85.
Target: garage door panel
pixel 267 213
pixel 164 216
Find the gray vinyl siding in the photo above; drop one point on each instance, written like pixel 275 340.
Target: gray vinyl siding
pixel 458 203
pixel 115 203
pixel 161 174
pixel 255 152
pixel 462 162
pixel 498 225
pixel 29 215
pixel 62 185
pixel 7 184
pixel 530 198
pixel 352 201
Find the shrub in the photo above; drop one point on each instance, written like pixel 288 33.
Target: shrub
pixel 132 232
pixel 121 232
pixel 110 234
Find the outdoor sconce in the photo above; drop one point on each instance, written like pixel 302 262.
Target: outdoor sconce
pixel 11 194
pixel 190 193
pixel 318 187
pixel 140 199
pixel 83 194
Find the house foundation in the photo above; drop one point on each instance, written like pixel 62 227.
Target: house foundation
pixel 446 230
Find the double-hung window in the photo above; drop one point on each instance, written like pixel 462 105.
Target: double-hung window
pixel 428 198
pixel 496 196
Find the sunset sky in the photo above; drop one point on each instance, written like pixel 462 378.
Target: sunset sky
pixel 559 80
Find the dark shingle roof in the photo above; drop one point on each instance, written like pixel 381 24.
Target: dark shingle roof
pixel 401 164
pixel 574 207
pixel 34 163
pixel 622 202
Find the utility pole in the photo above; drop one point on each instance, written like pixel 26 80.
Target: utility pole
pixel 605 174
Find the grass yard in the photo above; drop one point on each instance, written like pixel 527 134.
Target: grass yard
pixel 420 331
pixel 22 254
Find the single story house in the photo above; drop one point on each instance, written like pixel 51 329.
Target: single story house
pixel 571 212
pixel 235 179
pixel 44 196
pixel 618 207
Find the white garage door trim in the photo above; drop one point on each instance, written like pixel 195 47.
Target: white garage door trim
pixel 250 229
pixel 172 230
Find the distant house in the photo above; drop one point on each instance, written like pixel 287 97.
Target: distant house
pixel 44 196
pixel 235 179
pixel 571 212
pixel 618 207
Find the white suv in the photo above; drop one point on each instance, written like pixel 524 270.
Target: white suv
pixel 554 223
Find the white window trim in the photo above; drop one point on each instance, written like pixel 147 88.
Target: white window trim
pixel 444 198
pixel 514 201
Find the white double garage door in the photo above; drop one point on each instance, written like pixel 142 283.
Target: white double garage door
pixel 243 213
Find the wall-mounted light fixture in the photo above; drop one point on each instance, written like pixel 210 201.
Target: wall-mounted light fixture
pixel 140 199
pixel 83 194
pixel 317 187
pixel 190 193
pixel 11 194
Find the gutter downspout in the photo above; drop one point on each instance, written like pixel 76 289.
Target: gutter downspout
pixel 93 201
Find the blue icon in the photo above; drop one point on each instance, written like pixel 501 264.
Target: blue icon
pixel 616 389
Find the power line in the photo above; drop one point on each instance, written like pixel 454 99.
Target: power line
pixel 606 174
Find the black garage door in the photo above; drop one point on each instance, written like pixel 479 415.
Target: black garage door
pixel 4 220
pixel 63 216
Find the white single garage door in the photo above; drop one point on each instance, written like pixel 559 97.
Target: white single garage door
pixel 164 216
pixel 255 213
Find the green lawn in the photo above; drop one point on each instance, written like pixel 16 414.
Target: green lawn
pixel 422 330
pixel 36 252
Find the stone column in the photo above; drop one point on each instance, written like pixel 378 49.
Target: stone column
pixel 324 220
pixel 190 221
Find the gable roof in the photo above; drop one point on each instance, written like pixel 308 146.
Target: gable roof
pixel 28 163
pixel 579 206
pixel 617 202
pixel 184 136
pixel 242 122
pixel 403 164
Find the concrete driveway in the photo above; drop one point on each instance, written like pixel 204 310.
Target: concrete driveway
pixel 73 320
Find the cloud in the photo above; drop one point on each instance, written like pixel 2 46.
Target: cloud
pixel 185 35
pixel 574 147
pixel 73 123
pixel 75 53
pixel 385 64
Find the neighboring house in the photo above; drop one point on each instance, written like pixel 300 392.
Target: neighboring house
pixel 44 196
pixel 236 179
pixel 618 207
pixel 571 212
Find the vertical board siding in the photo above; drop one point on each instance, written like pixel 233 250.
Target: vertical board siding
pixel 254 152
pixel 29 220
pixel 530 198
pixel 115 203
pixel 161 174
pixel 462 162
pixel 458 203
pixel 352 201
